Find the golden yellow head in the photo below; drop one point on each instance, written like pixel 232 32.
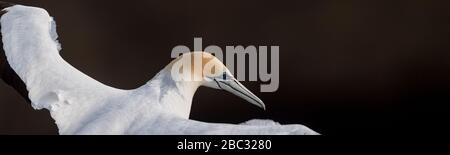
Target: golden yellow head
pixel 198 66
pixel 203 69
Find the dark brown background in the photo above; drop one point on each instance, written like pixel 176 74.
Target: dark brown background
pixel 347 67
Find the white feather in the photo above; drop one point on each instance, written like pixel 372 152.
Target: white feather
pixel 82 105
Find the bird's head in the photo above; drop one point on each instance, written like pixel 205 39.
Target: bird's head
pixel 204 69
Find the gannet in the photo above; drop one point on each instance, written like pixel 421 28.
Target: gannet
pixel 81 105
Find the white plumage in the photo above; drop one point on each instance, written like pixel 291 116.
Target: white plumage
pixel 82 105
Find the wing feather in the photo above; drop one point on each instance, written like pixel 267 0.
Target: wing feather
pixel 32 50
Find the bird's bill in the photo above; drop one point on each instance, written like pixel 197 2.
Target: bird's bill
pixel 235 87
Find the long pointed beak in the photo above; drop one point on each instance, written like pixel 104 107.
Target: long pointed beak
pixel 236 88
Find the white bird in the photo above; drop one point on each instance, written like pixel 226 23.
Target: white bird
pixel 82 105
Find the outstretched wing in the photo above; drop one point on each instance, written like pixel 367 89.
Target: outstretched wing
pixel 170 125
pixel 32 51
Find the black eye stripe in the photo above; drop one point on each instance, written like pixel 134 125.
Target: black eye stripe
pixel 224 76
pixel 218 84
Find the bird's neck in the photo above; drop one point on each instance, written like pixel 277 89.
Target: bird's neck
pixel 173 96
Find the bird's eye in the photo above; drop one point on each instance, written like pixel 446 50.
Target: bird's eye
pixel 224 76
